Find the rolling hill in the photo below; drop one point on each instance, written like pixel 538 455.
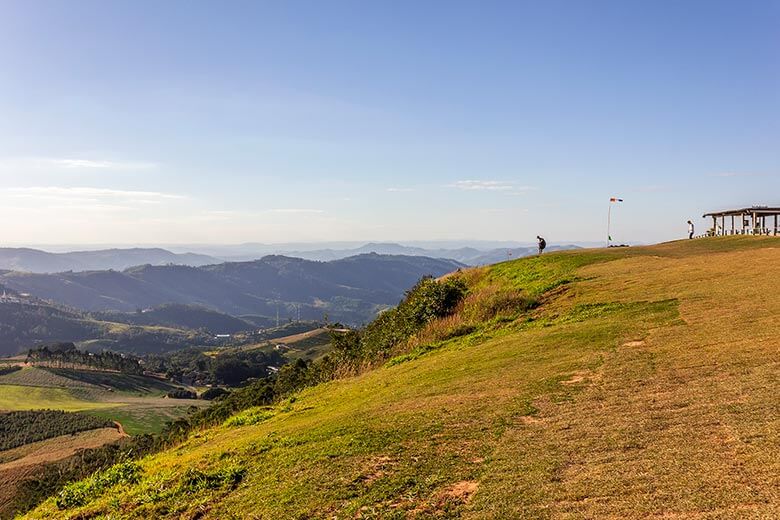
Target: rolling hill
pixel 37 261
pixel 631 383
pixel 351 289
pixel 181 316
pixel 25 323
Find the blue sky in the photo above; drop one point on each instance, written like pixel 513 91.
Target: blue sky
pixel 224 122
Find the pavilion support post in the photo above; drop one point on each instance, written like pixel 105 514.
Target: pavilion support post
pixel 775 225
pixel 732 224
pixel 723 225
pixel 714 225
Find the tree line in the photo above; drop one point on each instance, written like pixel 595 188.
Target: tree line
pixel 66 355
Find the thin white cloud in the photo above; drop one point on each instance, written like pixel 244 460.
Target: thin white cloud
pixel 294 210
pixel 104 165
pixel 472 185
pixel 399 190
pixel 88 195
pixel 503 186
pixel 233 214
pixel 21 164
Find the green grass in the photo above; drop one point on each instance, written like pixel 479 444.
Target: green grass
pixel 644 385
pixel 18 397
pixel 138 418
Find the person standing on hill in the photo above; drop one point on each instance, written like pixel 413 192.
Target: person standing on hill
pixel 690 229
pixel 542 243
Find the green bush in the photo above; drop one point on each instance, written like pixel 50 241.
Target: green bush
pixel 79 493
pixel 426 301
pixel 195 480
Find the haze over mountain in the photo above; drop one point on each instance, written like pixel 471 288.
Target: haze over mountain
pixel 351 289
pixel 56 259
pixel 38 261
pixel 467 255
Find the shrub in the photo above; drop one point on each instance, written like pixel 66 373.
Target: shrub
pixel 181 393
pixel 79 493
pixel 250 417
pixel 492 301
pixel 425 302
pixel 196 480
pixel 213 393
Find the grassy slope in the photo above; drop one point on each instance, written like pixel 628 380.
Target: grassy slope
pixel 646 385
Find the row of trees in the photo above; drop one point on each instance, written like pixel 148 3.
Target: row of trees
pixel 66 355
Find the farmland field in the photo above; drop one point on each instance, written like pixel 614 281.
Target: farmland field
pixel 135 401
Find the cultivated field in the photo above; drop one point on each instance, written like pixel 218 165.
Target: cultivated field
pixel 135 401
pixel 306 345
pixel 645 385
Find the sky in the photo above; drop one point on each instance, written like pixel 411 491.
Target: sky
pixel 146 122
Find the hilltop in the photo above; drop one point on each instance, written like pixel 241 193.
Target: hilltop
pixel 621 383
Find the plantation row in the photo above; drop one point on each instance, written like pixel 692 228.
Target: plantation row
pixel 20 428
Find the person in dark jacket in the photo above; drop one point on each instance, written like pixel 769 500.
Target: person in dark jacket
pixel 542 244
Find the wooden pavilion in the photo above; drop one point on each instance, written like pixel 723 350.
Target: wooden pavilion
pixel 756 220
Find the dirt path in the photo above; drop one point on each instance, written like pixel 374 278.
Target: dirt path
pixel 120 429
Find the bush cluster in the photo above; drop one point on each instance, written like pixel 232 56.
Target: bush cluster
pixel 79 493
pixel 428 300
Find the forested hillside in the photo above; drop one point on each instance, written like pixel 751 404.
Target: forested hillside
pixel 25 324
pixel 350 290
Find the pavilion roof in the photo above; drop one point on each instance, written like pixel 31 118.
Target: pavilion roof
pixel 758 210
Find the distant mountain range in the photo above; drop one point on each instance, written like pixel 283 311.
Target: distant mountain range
pixel 118 259
pixel 467 255
pixel 37 261
pixel 351 290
